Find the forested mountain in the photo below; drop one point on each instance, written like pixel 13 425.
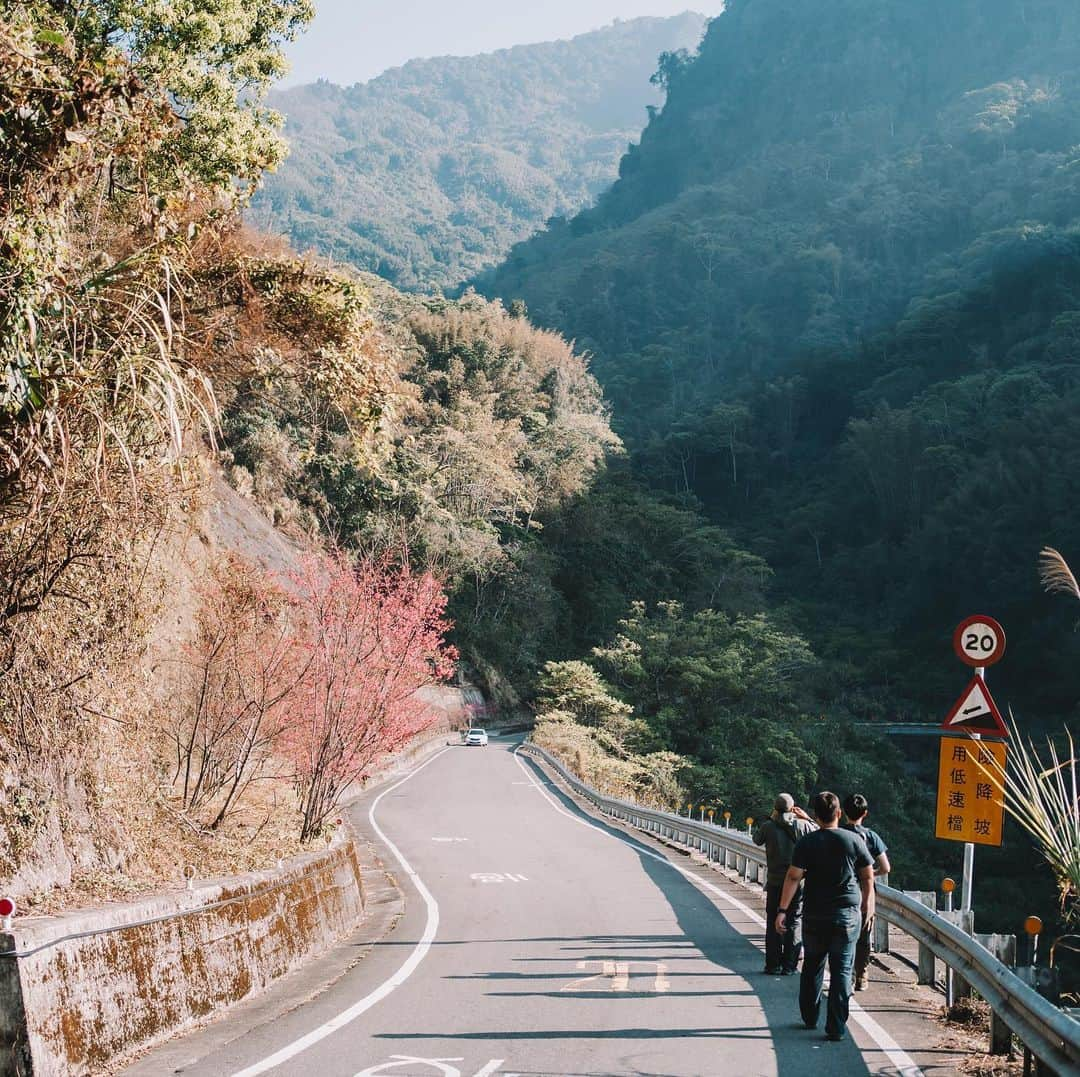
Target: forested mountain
pixel 834 298
pixel 431 171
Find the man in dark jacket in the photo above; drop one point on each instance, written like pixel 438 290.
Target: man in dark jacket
pixel 855 808
pixel 778 834
pixel 838 899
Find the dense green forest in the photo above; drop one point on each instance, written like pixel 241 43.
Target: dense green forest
pixel 844 320
pixel 834 300
pixel 430 172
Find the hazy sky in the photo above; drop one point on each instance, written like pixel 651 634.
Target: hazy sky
pixel 352 40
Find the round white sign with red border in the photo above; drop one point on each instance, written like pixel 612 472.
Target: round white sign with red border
pixel 979 641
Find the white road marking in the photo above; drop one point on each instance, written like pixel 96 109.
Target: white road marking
pixel 408 1060
pixel 450 839
pixel 418 954
pixel 661 983
pixel 618 972
pixel 577 985
pixel 893 1051
pixel 620 980
pixel 497 877
pixel 440 1064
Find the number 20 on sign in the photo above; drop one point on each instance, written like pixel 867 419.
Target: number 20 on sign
pixel 970 802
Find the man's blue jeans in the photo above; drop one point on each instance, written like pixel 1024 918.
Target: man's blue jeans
pixel 829 939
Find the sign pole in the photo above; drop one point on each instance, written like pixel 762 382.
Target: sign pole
pixel 967 880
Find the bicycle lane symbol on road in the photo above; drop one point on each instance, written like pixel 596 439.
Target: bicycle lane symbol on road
pixel 440 1065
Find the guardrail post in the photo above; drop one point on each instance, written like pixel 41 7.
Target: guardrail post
pixel 927 973
pixel 1003 947
pixel 964 919
pixel 1001 1041
pixel 881 926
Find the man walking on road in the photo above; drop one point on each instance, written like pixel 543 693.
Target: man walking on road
pixel 855 808
pixel 838 900
pixel 779 834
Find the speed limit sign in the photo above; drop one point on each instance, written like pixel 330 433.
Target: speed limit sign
pixel 979 641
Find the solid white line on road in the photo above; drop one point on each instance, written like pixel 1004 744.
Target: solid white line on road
pixel 407 969
pixel 489 1069
pixel 893 1051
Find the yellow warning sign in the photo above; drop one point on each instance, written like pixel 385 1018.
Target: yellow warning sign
pixel 970 801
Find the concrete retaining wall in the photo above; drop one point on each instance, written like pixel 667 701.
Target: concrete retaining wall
pixel 78 991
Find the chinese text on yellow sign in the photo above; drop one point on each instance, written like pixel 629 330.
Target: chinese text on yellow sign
pixel 970 805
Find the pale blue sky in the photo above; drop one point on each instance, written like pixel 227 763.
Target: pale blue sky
pixel 353 40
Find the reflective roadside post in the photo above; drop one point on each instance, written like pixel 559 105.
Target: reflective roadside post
pixel 727 819
pixel 749 823
pixel 948 887
pixel 7 912
pixel 1033 926
pixel 711 813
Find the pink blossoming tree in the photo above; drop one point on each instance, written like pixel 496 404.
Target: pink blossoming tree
pixel 373 633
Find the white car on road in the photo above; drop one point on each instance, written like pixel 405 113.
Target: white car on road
pixel 476 737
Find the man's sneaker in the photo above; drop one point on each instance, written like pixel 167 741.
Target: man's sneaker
pixel 860 983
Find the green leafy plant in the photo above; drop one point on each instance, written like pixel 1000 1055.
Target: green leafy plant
pixel 1043 795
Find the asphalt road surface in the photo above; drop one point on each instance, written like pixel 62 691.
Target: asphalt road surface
pixel 537 941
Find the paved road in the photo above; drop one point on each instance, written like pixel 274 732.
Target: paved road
pixel 535 942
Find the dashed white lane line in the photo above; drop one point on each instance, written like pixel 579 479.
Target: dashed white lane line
pixel 418 954
pixel 892 1050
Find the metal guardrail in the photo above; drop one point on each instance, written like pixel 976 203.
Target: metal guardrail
pixel 1051 1034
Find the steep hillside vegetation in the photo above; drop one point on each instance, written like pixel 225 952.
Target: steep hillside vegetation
pixel 430 172
pixel 191 675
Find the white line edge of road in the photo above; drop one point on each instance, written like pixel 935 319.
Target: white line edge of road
pixel 407 969
pixel 893 1051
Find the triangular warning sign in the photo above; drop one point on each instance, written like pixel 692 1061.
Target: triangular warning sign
pixel 976 712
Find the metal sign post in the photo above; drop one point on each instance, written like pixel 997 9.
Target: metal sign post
pixel 967 879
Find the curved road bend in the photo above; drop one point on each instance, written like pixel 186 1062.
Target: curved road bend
pixel 536 943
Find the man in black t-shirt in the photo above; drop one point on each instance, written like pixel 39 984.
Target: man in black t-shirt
pixel 855 808
pixel 838 898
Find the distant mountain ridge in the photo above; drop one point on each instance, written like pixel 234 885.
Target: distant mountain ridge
pixel 430 172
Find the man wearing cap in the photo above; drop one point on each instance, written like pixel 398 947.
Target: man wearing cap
pixel 779 833
pixel 856 808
